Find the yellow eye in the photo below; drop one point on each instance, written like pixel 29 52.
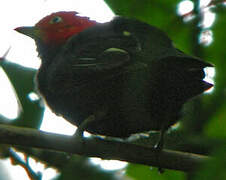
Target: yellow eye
pixel 56 19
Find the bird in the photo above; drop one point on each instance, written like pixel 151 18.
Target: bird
pixel 116 78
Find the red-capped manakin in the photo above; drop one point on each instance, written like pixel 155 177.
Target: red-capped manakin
pixel 116 78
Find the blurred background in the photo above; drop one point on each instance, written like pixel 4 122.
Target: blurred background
pixel 196 27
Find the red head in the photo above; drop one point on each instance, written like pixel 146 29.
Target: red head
pixel 57 28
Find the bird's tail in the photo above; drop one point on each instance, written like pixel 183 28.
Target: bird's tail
pixel 185 75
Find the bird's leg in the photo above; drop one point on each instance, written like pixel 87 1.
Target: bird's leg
pixel 81 128
pixel 160 143
pixel 92 118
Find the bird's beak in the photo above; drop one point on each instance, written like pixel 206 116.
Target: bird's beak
pixel 30 31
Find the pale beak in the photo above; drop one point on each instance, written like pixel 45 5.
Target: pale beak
pixel 30 31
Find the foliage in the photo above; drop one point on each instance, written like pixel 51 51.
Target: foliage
pixel 204 117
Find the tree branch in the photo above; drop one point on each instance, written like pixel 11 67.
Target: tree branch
pixel 105 149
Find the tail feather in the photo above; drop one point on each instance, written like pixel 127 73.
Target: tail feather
pixel 182 76
pixel 186 62
pixel 195 88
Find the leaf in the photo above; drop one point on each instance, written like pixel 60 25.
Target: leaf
pixel 141 172
pixel 22 80
pixel 215 168
pixel 81 168
pixel 215 104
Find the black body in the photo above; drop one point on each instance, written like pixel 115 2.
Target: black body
pixel 126 70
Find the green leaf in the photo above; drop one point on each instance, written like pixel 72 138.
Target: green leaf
pixel 217 125
pixel 22 80
pixel 215 168
pixel 80 168
pixel 141 172
pixel 158 13
pixel 215 104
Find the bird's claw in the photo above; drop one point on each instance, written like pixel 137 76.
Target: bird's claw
pixel 79 132
pixel 159 146
pixel 78 136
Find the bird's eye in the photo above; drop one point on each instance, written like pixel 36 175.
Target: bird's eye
pixel 56 19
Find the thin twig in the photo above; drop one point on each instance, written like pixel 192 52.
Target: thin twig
pixel 24 164
pixel 5 54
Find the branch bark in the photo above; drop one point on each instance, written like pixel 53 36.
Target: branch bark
pixel 105 149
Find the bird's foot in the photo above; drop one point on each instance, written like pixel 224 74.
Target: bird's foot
pixel 159 147
pixel 78 135
pixel 80 130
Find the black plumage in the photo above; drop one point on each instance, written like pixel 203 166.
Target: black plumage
pixel 125 72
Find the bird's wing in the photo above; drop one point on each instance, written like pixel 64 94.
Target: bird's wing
pixel 101 48
pixel 98 53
